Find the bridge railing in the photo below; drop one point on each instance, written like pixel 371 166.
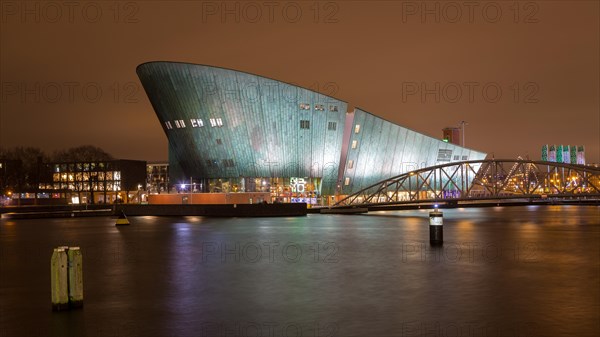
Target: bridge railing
pixel 482 179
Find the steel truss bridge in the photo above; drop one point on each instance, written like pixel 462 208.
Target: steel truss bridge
pixel 480 180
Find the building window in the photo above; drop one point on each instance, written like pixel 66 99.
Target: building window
pixel 304 124
pixel 180 124
pixel 219 141
pixel 350 164
pixel 304 106
pixel 228 162
pixel 216 122
pixel 465 157
pixel 333 108
pixel 211 163
pixel 444 155
pixel 197 123
pixel 319 107
pixel 456 157
pixel 347 181
pixel 168 125
pixel 331 126
pixel 354 144
pixel 357 128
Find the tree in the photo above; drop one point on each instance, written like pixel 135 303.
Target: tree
pixel 85 153
pixel 29 161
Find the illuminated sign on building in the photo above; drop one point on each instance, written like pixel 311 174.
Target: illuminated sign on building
pixel 298 185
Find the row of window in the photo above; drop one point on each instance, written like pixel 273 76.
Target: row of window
pixel 86 176
pixel 318 107
pixel 92 166
pixel 195 123
pixel 218 122
pixel 305 124
pixel 79 186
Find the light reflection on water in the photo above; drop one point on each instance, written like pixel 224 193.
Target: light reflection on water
pixel 501 272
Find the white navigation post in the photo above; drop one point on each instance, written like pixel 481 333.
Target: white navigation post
pixel 436 228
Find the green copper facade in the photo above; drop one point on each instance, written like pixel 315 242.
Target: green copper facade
pixel 227 124
pixel 379 149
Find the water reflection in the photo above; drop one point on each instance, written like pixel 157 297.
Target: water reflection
pixel 501 272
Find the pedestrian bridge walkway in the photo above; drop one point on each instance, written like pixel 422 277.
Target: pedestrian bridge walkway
pixel 478 181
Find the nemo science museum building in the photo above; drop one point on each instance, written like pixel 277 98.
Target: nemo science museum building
pixel 231 131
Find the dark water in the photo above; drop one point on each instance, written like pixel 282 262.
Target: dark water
pixel 520 271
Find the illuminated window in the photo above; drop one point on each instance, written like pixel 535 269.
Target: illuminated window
pixel 179 124
pixel 168 125
pixel 304 106
pixel 196 122
pixel 319 107
pixel 357 128
pixel 333 108
pixel 444 155
pixel 350 164
pixel 216 122
pixel 347 181
pixel 354 144
pixel 304 124
pixel 332 126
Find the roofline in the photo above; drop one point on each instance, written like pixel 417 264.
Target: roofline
pixel 272 79
pixel 419 132
pixel 239 71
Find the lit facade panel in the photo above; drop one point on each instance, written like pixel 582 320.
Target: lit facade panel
pixel 381 149
pixel 252 126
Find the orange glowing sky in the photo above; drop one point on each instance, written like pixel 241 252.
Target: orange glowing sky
pixel 377 55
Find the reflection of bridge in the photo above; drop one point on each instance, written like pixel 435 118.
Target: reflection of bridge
pixel 481 180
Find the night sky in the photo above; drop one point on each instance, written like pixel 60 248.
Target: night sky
pixel 522 74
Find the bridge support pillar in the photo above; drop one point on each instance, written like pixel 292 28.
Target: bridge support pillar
pixel 436 228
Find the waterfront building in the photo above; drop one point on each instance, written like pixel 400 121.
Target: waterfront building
pixel 92 182
pixel 232 131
